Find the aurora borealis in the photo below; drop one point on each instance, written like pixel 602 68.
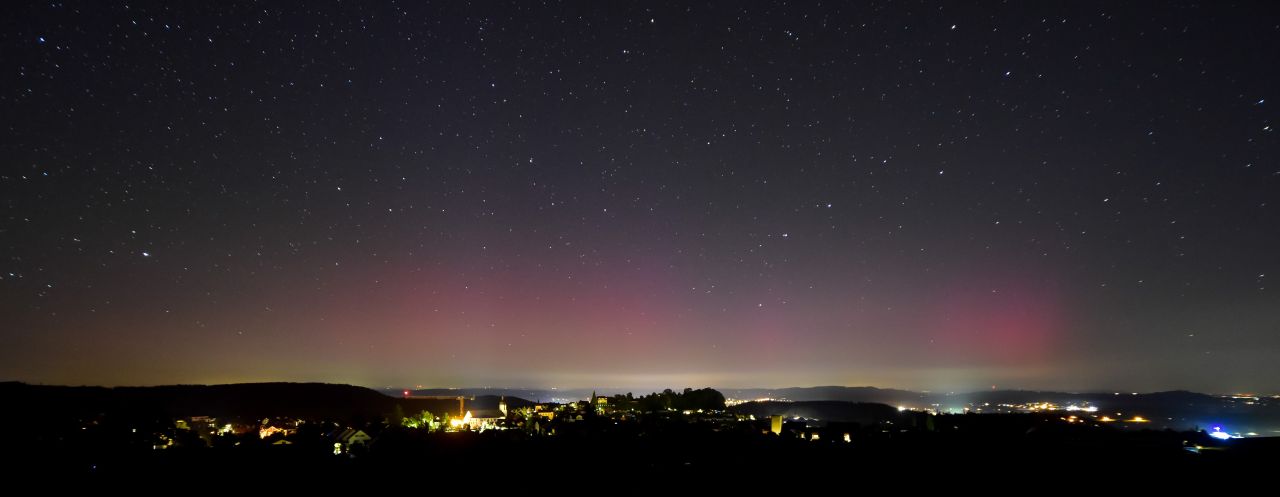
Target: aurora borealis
pixel 735 194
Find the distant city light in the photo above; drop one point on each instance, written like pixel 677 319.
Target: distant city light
pixel 1221 435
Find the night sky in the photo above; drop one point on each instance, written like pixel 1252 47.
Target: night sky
pixel 1077 196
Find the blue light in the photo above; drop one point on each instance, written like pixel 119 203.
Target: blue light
pixel 1221 435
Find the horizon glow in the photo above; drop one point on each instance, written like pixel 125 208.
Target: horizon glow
pixel 940 199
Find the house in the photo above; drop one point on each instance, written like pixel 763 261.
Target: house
pixel 271 427
pixel 349 438
pixel 480 419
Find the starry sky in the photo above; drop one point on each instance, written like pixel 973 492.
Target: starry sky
pixel 926 195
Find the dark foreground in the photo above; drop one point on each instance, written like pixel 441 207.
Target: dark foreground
pixel 678 457
pixel 294 437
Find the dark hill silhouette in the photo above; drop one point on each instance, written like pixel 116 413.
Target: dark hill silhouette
pixel 849 394
pixel 243 401
pixel 825 410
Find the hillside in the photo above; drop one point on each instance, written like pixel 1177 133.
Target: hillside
pixel 825 410
pixel 243 401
